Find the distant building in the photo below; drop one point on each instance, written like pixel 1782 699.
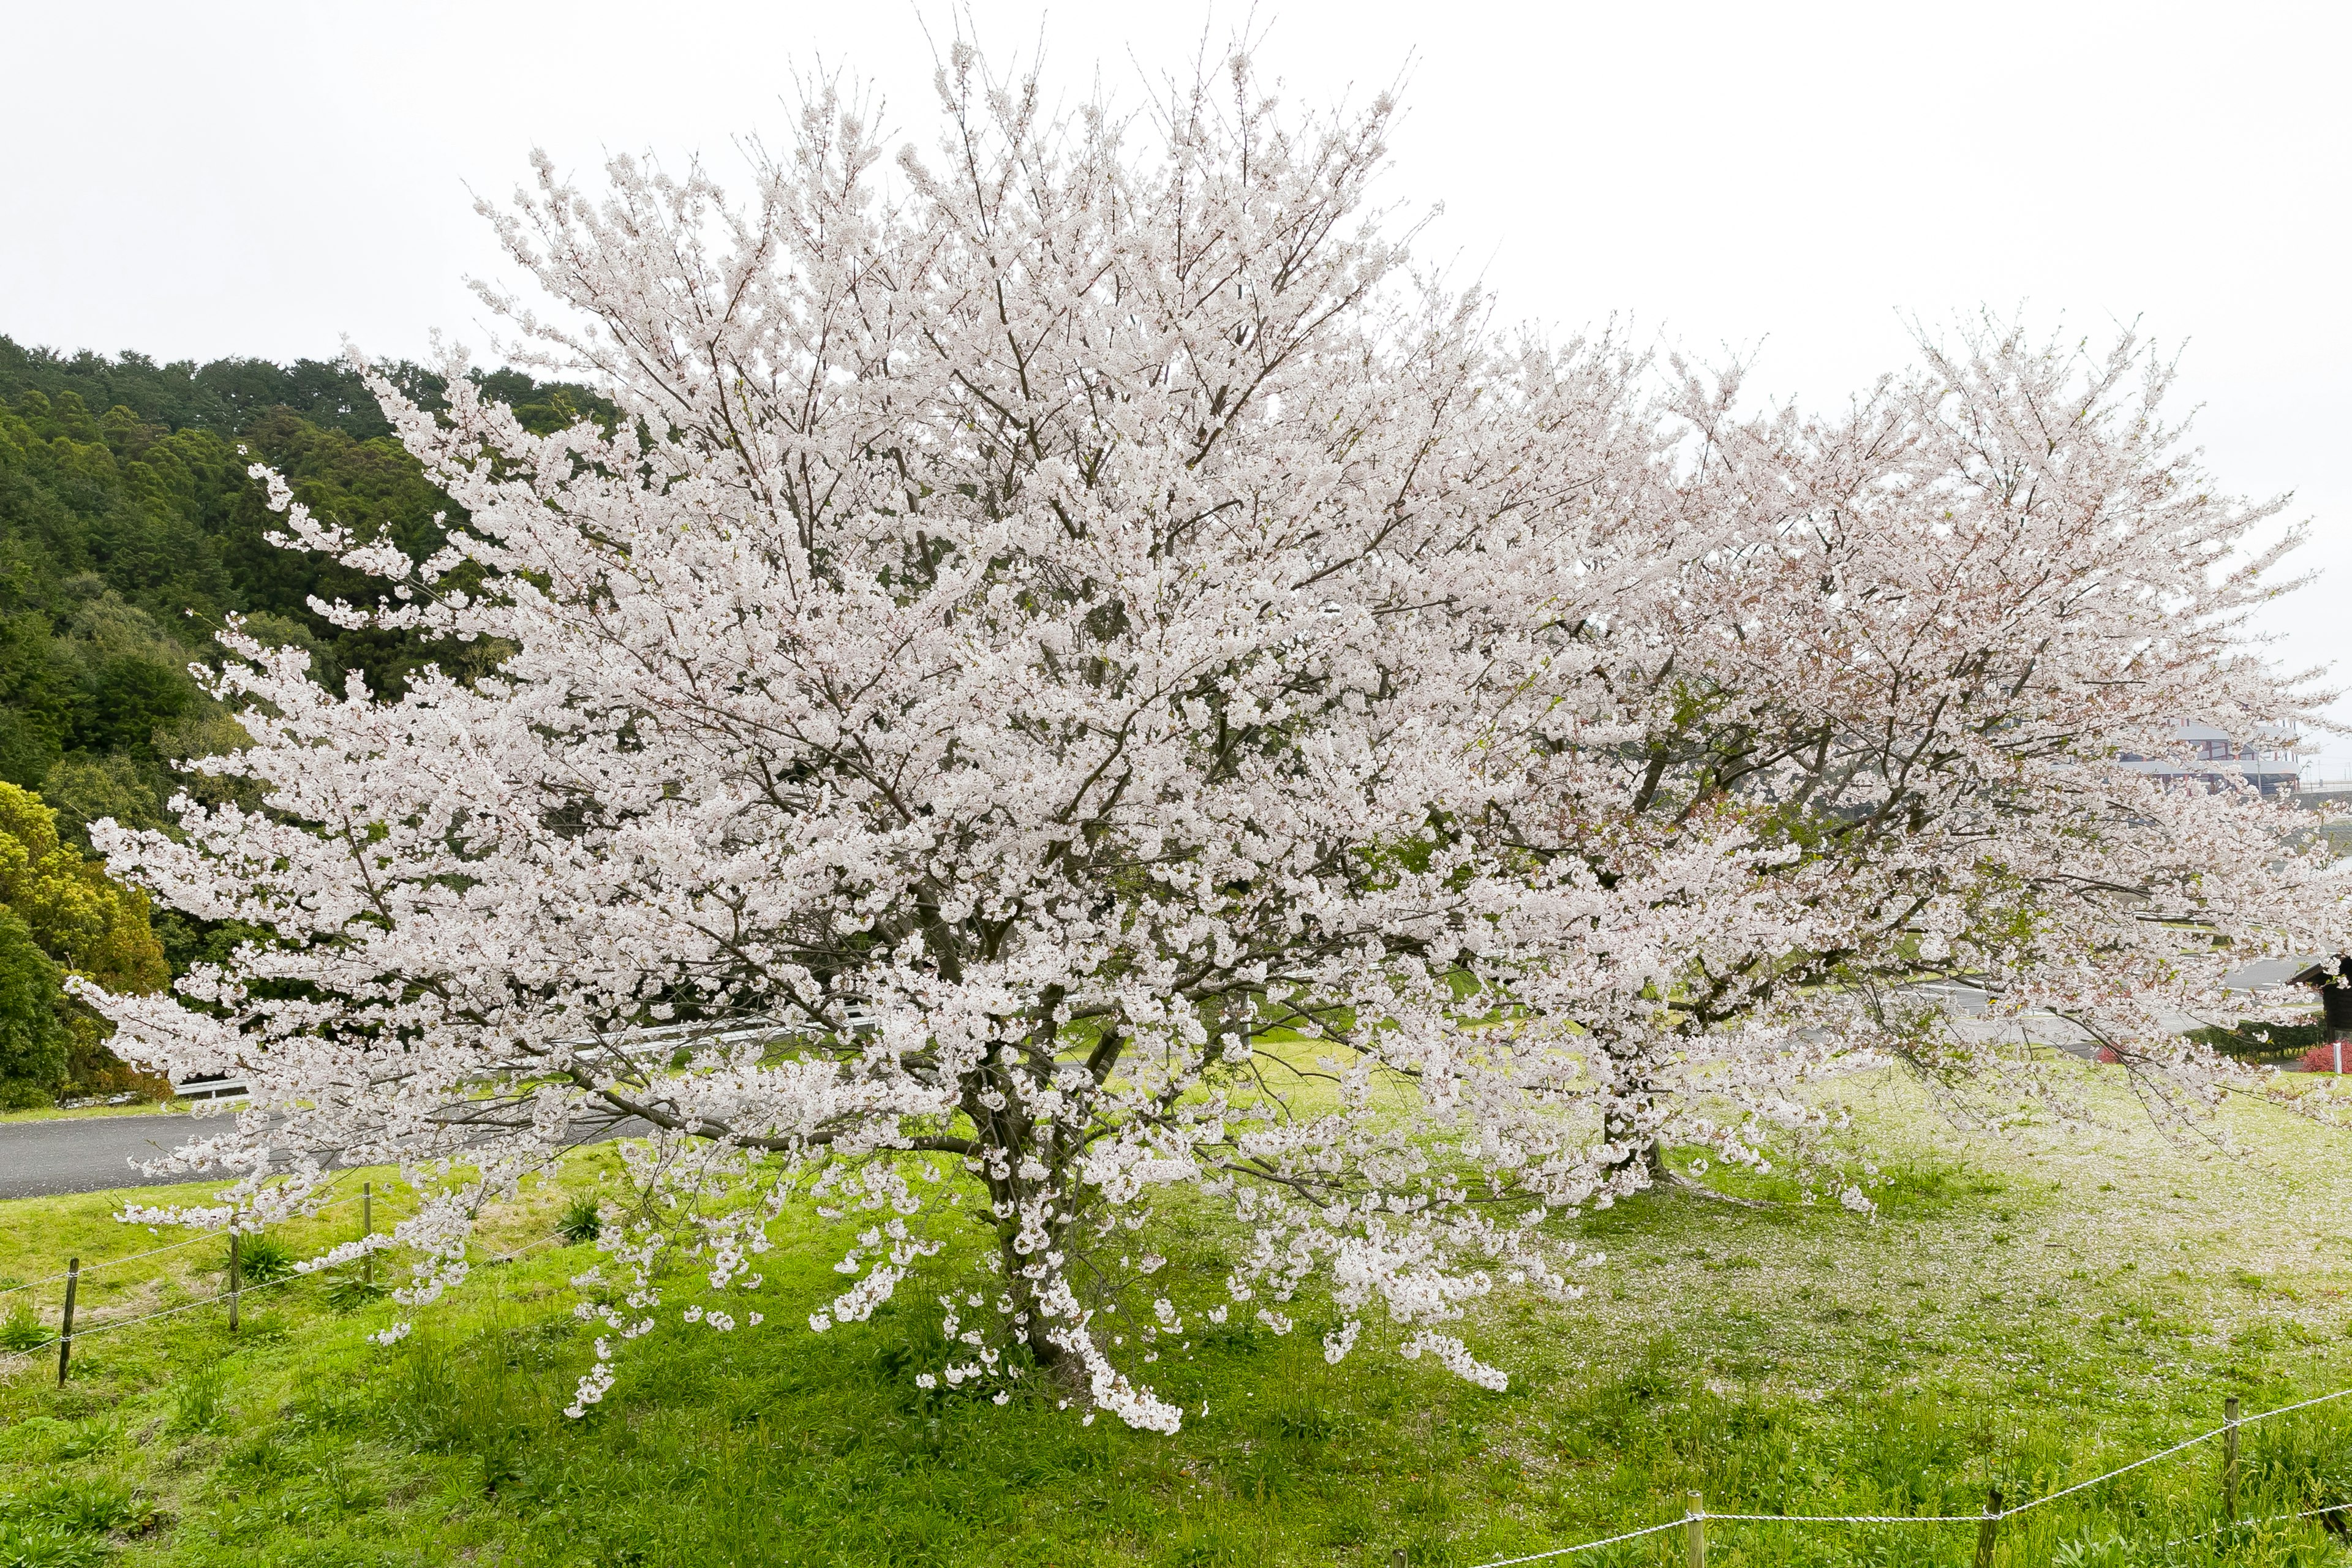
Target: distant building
pixel 2267 762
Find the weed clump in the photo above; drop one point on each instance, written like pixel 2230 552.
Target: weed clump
pixel 197 1397
pixel 263 1260
pixel 351 1290
pixel 27 1544
pixel 22 1329
pixel 582 1221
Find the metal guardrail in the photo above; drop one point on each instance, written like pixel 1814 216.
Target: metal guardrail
pixel 210 1085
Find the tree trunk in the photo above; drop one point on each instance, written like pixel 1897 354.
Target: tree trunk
pixel 1061 1368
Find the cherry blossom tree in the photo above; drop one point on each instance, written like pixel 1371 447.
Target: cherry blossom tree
pixel 1078 691
pixel 1919 651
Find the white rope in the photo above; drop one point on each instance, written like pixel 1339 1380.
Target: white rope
pixel 1960 1518
pixel 109 1263
pixel 167 1247
pixel 241 1293
pixel 1498 1563
pixel 518 1252
pixel 105 1324
pixel 1855 1518
pixel 1588 1546
pixel 108 1324
pixel 2305 1404
pixel 2120 1470
pixel 2274 1518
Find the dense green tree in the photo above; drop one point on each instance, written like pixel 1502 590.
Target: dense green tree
pixel 34 1044
pixel 83 922
pixel 130 526
pixel 227 395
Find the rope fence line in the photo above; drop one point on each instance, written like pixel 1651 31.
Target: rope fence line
pixel 48 1347
pixel 2120 1470
pixel 167 1247
pixel 2299 1405
pixel 526 1247
pixel 109 1263
pixel 1696 1518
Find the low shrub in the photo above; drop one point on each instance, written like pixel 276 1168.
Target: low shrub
pixel 2255 1041
pixel 86 1506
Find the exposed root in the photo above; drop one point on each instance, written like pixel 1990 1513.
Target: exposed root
pixel 1700 1189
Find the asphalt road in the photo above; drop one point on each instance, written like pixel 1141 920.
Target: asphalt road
pixel 92 1153
pixel 87 1153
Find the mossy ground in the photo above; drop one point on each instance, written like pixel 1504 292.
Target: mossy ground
pixel 2024 1310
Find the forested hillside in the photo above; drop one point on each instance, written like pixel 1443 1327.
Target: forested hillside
pixel 128 528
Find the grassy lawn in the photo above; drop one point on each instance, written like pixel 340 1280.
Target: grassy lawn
pixel 2023 1313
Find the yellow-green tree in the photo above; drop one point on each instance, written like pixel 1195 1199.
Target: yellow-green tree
pixel 63 915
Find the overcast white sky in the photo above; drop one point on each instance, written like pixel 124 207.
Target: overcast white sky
pixel 259 179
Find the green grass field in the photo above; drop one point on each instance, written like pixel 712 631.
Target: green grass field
pixel 2025 1311
pixel 79 1112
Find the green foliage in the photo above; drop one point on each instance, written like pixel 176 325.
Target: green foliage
pixel 80 917
pixel 2093 1550
pixel 219 398
pixel 1900 1364
pixel 126 535
pixel 91 1505
pixel 29 1544
pixel 350 1289
pixel 82 789
pixel 198 1399
pixel 226 397
pixel 64 1523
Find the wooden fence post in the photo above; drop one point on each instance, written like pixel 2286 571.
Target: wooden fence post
pixel 367 1228
pixel 2229 1459
pixel 1990 1531
pixel 236 1271
pixel 64 1333
pixel 1696 1529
